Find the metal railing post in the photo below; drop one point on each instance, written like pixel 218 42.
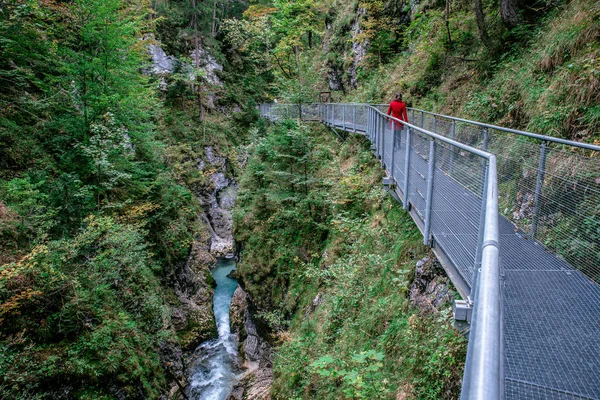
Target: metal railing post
pixel 344 116
pixel 383 142
pixel 376 132
pixel 485 139
pixel 368 121
pixel 378 117
pixel 371 116
pixel 331 114
pixel 433 128
pixel 393 149
pixel 369 125
pixel 538 189
pixel 422 120
pixel 484 162
pixel 452 134
pixel 406 168
pixel 430 174
pixel 354 117
pixel 379 136
pixel 372 129
pixel 373 133
pixel 481 230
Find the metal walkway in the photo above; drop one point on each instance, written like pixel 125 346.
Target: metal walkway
pixel 549 320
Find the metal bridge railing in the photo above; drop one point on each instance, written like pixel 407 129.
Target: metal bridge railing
pixel 451 191
pixel 549 188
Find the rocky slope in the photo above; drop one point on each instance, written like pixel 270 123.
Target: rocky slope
pixel 256 353
pixel 218 203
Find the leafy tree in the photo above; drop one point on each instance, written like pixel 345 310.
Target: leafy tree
pixel 99 292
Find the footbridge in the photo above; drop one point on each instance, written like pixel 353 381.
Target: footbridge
pixel 514 218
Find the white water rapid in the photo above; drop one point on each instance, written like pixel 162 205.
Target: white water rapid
pixel 215 370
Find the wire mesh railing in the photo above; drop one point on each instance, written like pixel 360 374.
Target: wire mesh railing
pixel 549 188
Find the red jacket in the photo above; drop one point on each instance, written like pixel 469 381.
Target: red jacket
pixel 397 109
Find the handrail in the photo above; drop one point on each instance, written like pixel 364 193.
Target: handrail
pixel 546 138
pixel 483 367
pixel 441 138
pixel 515 131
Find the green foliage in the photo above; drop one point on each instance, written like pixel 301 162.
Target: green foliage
pixel 94 217
pixel 97 291
pixel 345 246
pixel 361 376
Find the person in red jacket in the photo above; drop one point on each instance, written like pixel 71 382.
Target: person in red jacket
pixel 397 109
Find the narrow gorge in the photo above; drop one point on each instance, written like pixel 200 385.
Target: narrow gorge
pixel 160 240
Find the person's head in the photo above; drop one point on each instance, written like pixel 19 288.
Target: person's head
pixel 399 96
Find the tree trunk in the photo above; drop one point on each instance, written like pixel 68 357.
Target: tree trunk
pixel 197 63
pixel 213 31
pixel 509 11
pixel 448 22
pixel 481 23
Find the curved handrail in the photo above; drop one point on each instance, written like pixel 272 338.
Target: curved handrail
pixel 441 138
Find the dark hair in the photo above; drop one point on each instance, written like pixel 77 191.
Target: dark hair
pixel 399 96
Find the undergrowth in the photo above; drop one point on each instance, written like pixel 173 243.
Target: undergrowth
pixel 329 258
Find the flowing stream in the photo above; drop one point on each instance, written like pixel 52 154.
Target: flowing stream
pixel 215 369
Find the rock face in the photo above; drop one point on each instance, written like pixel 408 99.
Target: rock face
pixel 430 288
pixel 209 64
pixel 334 77
pixel 359 49
pixel 162 64
pixel 193 319
pixel 217 200
pixel 192 314
pixel 255 351
pixel 211 69
pixel 218 203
